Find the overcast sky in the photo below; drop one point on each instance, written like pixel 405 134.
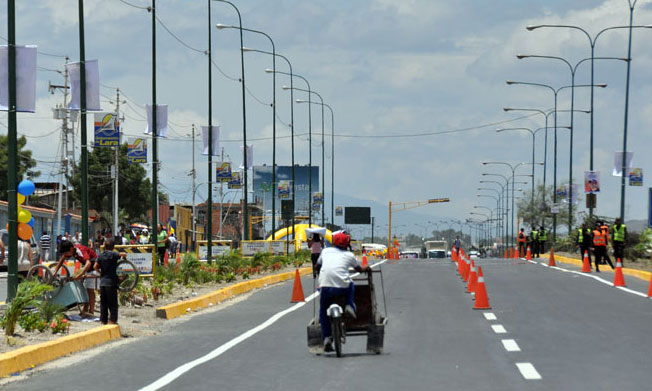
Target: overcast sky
pixel 388 68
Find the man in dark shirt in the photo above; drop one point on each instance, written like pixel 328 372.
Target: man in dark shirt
pixel 107 264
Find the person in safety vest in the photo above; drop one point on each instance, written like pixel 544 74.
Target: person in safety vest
pixel 543 237
pixel 535 242
pixel 584 241
pixel 522 239
pixel 619 239
pixel 600 247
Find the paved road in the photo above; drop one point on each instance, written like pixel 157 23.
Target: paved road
pixel 572 332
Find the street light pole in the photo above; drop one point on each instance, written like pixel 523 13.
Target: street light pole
pixel 245 206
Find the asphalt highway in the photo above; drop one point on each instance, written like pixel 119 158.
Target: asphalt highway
pixel 547 330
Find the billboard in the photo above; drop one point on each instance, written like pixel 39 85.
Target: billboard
pixel 137 150
pixel 357 215
pixel 262 182
pixel 107 130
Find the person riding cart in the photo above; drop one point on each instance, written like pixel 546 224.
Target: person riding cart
pixel 335 281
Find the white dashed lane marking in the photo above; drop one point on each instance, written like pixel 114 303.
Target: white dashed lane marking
pixel 511 345
pixel 528 371
pixel 498 328
pixel 490 316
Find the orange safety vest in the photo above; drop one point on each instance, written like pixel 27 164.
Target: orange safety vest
pixel 521 237
pixel 599 238
pixel 605 229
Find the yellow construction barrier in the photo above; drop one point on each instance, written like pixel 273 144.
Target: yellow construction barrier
pixel 218 248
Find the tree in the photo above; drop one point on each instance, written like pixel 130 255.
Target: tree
pixel 538 213
pixel 25 163
pixel 134 189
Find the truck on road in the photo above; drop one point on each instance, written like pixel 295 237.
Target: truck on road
pixel 436 248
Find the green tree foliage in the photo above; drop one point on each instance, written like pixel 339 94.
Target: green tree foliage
pixel 538 213
pixel 25 163
pixel 134 189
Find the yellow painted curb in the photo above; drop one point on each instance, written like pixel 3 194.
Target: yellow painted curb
pixel 640 274
pixel 175 310
pixel 30 356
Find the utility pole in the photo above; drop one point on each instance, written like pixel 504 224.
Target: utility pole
pixel 193 174
pixel 116 171
pixel 61 113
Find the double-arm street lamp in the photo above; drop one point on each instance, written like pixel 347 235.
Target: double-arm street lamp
pixel 533 133
pixel 592 42
pixel 555 92
pixel 243 49
pixel 332 158
pixel 573 71
pixel 513 168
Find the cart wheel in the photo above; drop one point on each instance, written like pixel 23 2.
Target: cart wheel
pixel 41 273
pixel 127 275
pixel 336 325
pixel 63 275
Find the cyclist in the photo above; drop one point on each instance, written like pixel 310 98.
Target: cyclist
pixel 335 281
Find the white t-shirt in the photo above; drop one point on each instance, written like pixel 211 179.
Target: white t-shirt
pixel 335 264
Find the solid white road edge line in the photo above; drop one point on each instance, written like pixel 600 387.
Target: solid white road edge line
pixel 510 345
pixel 498 328
pixel 171 376
pixel 596 278
pixel 490 316
pixel 528 371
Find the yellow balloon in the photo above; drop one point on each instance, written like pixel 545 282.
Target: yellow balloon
pixel 21 198
pixel 24 231
pixel 24 216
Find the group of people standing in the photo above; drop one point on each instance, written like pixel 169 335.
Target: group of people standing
pixel 598 240
pixel 536 240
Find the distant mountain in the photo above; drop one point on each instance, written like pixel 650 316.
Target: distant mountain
pixel 636 225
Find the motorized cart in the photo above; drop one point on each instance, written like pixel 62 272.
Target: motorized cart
pixel 369 320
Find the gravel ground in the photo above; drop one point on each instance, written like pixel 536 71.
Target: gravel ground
pixel 134 320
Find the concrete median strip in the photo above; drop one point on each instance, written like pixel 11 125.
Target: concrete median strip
pixel 175 310
pixel 30 356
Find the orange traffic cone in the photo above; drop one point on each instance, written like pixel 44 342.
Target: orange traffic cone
pixel 364 260
pixel 551 260
pixel 481 299
pixel 178 257
pixel 505 253
pixel 165 258
pixel 529 254
pixel 619 279
pixel 77 267
pixel 586 265
pixel 649 290
pixel 297 289
pixel 467 271
pixel 473 279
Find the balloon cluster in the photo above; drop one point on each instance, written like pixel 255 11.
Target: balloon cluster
pixel 25 219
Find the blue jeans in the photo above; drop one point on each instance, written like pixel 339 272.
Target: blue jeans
pixel 327 294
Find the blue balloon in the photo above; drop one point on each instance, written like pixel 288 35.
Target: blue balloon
pixel 26 187
pixel 31 222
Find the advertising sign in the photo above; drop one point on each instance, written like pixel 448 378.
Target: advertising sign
pixel 252 247
pixel 223 172
pixel 277 247
pixel 636 177
pixel 218 248
pixel 137 150
pixel 357 215
pixel 318 198
pixel 263 175
pixel 339 211
pixel 141 256
pixel 236 180
pixel 107 130
pixel 591 182
pixel 284 189
pixel 316 206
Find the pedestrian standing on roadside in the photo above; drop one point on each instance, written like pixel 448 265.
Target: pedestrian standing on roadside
pixel 618 240
pixel 44 242
pixel 316 244
pixel 161 242
pixel 24 257
pixel 535 242
pixel 583 241
pixel 522 239
pixel 106 265
pixel 543 237
pixel 600 247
